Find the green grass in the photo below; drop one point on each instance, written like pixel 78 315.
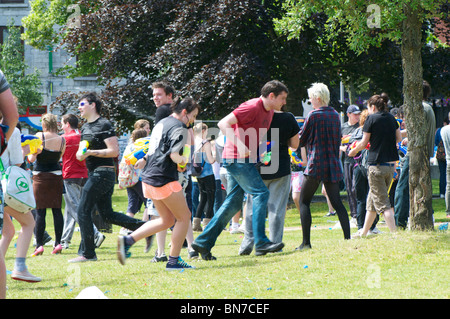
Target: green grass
pixel 401 265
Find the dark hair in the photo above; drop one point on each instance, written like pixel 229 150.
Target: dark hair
pixel 380 102
pixel 275 87
pixel 168 89
pixel 426 90
pixel 71 119
pixel 187 103
pixel 92 97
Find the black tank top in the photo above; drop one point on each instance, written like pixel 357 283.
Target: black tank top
pixel 48 160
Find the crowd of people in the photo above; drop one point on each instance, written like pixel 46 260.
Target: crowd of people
pixel 251 161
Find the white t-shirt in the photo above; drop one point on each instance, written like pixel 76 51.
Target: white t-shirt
pixel 13 153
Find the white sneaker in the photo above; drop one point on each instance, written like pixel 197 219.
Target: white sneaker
pixel 98 240
pixel 376 231
pixel 24 276
pixel 357 234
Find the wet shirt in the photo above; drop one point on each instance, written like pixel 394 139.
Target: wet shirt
pixel 96 133
pixel 168 136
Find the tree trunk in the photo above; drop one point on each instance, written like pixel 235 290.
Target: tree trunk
pixel 420 189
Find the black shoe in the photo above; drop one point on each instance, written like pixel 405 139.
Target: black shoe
pixel 208 256
pixel 159 259
pixel 205 253
pixel 303 247
pixel 148 243
pixel 268 248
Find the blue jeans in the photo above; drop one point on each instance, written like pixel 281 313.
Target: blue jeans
pixel 242 178
pixel 97 192
pixel 401 199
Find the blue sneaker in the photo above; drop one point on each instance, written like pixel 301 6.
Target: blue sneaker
pixel 122 250
pixel 180 265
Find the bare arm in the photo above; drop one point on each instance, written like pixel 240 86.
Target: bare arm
pixel 9 111
pixel 225 126
pixel 360 145
pixel 294 142
pixel 111 150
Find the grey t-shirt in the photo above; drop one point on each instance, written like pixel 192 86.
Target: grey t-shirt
pixel 4 85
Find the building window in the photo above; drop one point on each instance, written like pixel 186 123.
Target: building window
pixel 12 1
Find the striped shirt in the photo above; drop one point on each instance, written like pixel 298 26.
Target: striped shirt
pixel 321 135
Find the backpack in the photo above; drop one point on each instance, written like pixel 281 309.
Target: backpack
pixel 440 152
pixel 18 189
pixel 127 175
pixel 197 168
pixel 362 161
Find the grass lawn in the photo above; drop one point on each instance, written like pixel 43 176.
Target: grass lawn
pixel 403 265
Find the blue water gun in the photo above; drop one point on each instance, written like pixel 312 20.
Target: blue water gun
pixel 295 158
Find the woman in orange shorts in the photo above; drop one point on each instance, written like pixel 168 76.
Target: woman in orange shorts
pixel 159 176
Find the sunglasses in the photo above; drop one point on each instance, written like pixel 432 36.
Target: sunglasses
pixel 84 103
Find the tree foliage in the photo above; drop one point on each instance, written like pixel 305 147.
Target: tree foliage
pixel 400 22
pixel 24 85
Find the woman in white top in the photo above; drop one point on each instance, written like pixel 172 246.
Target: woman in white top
pixel 13 156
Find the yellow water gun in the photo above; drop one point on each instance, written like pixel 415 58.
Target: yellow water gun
pixel 140 149
pixel 186 154
pixel 295 158
pixel 34 142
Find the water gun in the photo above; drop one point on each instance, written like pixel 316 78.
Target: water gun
pixel 34 142
pixel 140 149
pixel 345 140
pixel 84 146
pixel 403 149
pixel 186 154
pixel 295 158
pixel 353 145
pixel 266 157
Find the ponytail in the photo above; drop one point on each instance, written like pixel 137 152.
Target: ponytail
pixel 188 104
pixel 380 102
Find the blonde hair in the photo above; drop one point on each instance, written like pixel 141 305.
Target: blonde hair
pixel 50 122
pixel 364 115
pixel 320 91
pixel 199 128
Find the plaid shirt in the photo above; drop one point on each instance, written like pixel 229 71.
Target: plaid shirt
pixel 321 134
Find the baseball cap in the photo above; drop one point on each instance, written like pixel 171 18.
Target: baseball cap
pixel 353 109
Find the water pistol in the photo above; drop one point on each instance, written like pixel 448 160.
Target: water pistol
pixel 140 149
pixel 353 145
pixel 402 149
pixel 84 146
pixel 266 157
pixel 186 154
pixel 34 142
pixel 295 158
pixel 345 140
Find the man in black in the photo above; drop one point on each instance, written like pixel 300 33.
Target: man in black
pixel 103 148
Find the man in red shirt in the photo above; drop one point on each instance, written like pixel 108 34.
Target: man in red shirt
pixel 244 129
pixel 74 176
